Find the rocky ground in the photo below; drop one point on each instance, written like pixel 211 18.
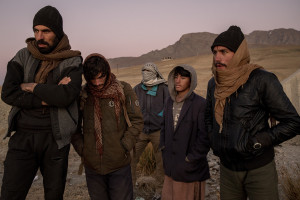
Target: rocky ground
pixel 287 155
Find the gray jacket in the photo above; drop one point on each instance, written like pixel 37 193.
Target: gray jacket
pixel 60 98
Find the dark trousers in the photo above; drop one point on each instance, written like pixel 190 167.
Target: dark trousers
pixel 113 186
pixel 256 184
pixel 27 152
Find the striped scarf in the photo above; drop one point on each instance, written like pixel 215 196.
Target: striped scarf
pixel 111 90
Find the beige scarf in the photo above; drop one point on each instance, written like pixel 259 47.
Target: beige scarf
pixel 50 61
pixel 231 78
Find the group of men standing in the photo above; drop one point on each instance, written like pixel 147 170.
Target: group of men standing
pixel 106 120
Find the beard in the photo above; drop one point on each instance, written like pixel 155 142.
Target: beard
pixel 49 48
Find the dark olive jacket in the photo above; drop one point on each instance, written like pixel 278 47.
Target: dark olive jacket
pixel 118 139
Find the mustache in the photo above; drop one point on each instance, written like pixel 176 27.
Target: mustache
pixel 42 42
pixel 222 64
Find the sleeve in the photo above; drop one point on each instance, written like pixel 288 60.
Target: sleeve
pixel 62 95
pixel 77 137
pixel 12 94
pixel 200 147
pixel 209 109
pixel 279 107
pixel 166 94
pixel 135 117
pixel 162 130
pixel 135 89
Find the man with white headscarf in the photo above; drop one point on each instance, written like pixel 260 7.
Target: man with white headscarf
pixel 152 93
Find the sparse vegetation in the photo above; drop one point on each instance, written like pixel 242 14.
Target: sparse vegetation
pixel 291 182
pixel 145 168
pixel 147 161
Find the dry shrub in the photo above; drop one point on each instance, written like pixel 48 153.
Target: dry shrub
pixel 146 185
pixel 291 183
pixel 147 162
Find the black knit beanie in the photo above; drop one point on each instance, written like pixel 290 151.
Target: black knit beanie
pixel 232 38
pixel 50 17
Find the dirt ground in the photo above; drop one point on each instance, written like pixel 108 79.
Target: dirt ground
pixel 287 155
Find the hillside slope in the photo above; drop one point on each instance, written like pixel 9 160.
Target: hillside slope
pixel 194 44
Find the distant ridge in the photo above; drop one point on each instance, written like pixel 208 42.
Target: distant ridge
pixel 274 37
pixel 193 44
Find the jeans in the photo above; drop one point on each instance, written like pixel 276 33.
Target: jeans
pixel 113 186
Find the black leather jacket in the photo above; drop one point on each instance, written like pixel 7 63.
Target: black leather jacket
pixel 245 122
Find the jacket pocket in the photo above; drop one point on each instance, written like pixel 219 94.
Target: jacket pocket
pixel 193 166
pixel 244 144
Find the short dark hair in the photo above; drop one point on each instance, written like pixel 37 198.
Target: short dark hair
pixel 182 72
pixel 95 65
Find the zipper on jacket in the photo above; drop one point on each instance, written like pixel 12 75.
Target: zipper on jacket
pixel 224 137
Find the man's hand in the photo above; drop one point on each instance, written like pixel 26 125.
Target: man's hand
pixel 64 81
pixel 28 87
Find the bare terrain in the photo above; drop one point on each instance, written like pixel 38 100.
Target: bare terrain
pixel 283 61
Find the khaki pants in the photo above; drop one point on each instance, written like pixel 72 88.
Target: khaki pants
pixel 256 184
pixel 174 190
pixel 140 146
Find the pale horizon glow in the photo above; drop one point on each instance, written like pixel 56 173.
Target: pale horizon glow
pixel 119 28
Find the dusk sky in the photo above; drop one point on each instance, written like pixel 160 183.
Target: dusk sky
pixel 117 28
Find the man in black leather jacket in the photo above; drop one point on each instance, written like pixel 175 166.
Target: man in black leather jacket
pixel 240 99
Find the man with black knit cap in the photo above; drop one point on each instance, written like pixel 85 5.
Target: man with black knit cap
pixel 240 98
pixel 42 84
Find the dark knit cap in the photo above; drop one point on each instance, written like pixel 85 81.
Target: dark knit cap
pixel 50 17
pixel 232 38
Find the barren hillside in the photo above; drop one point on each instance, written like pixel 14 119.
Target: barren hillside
pixel 194 44
pixel 283 61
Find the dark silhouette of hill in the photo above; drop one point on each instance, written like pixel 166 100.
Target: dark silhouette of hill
pixel 193 44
